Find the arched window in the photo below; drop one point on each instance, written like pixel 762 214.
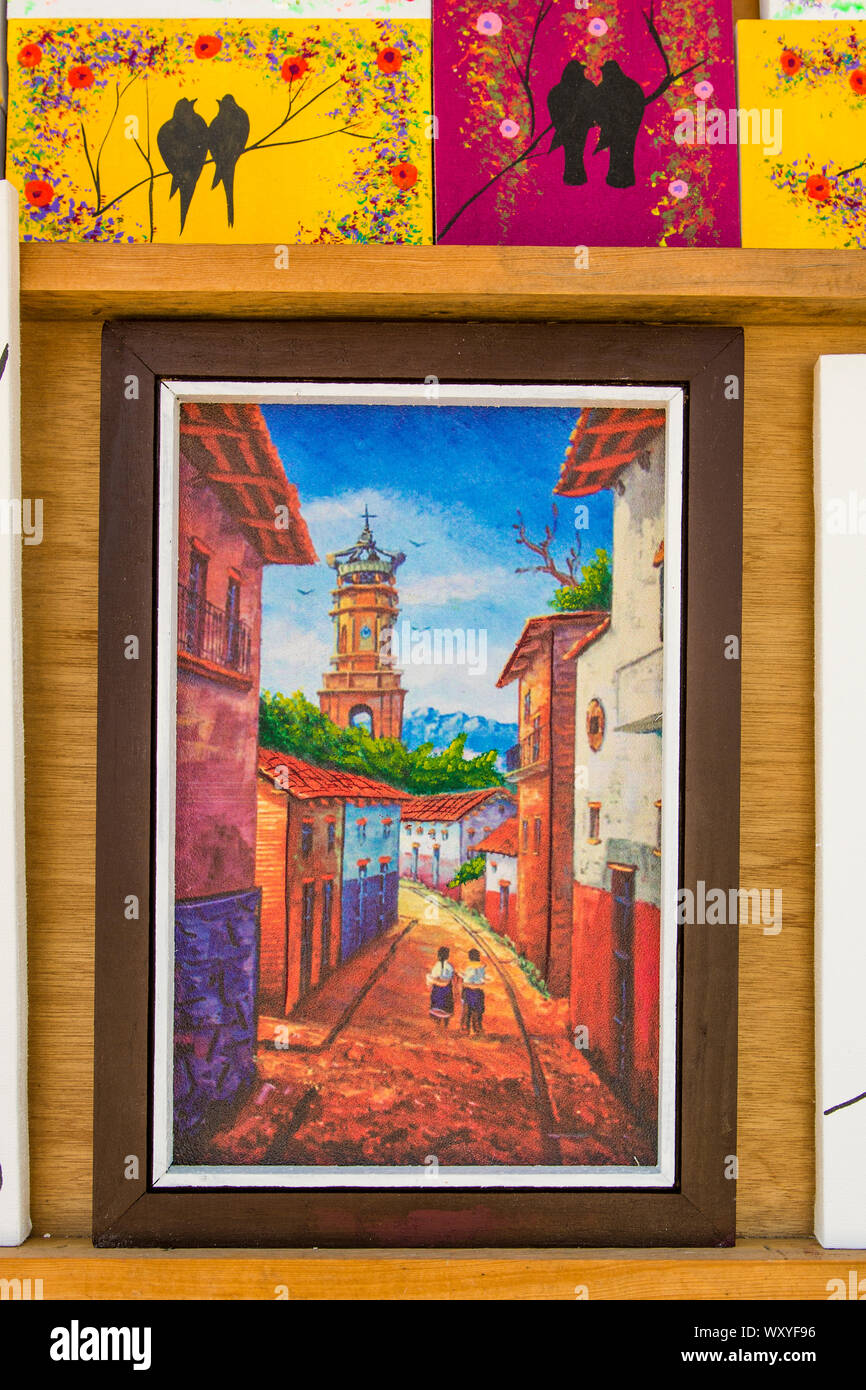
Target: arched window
pixel 361 717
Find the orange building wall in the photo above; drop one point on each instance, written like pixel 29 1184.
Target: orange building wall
pixel 544 919
pixel 592 1001
pixel 281 871
pixel 532 910
pixel 272 808
pixel 472 894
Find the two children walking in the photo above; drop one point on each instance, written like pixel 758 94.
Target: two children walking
pixel 441 981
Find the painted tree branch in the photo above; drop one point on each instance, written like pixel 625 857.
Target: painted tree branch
pixel 852 170
pixel 670 76
pixel 567 577
pixel 843 1104
pixel 525 75
pixel 525 72
pixel 496 177
pixel 259 144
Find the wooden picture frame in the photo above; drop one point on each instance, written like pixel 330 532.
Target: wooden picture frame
pixel 707 366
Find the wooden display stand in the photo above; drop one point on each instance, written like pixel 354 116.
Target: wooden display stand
pixel 793 307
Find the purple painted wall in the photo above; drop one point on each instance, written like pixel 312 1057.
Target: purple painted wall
pixel 216 977
pixel 217 712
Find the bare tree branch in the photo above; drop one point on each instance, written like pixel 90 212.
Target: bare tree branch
pixel 567 577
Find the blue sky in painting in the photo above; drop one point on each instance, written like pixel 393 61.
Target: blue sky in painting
pixel 445 484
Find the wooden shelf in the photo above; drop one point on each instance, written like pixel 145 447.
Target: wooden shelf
pixel 776 1270
pixel 97 281
pixel 794 305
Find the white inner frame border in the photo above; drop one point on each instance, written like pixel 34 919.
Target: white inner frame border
pixel 173 394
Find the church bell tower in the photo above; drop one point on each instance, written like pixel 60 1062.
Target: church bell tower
pixel 362 688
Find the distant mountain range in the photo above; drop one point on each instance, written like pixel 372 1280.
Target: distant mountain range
pixel 429 726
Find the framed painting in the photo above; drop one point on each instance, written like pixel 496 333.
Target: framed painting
pixel 418 783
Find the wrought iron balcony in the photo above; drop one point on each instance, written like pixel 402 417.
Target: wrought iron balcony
pixel 532 748
pixel 211 633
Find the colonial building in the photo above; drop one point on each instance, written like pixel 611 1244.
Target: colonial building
pixel 542 764
pixel 500 876
pixel 232 488
pixel 362 686
pixel 618 701
pixel 371 865
pixel 441 832
pixel 326 859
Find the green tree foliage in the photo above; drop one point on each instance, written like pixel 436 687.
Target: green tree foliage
pixel 291 724
pixel 593 591
pixel 472 869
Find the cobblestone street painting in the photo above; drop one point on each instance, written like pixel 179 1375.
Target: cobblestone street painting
pixel 419 670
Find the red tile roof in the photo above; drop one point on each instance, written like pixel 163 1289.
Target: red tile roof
pixel 586 641
pixel 603 442
pixel 449 806
pixel 306 781
pixel 526 644
pixel 502 840
pixel 231 448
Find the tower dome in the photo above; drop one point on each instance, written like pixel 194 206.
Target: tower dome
pixel 362 688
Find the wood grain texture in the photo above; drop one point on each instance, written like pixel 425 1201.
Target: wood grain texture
pixel 701 1209
pixel 755 1270
pixel 93 281
pixel 776 1088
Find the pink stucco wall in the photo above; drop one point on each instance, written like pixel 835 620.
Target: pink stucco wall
pixel 217 721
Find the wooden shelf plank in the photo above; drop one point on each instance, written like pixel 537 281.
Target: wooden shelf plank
pixel 753 1269
pixel 94 281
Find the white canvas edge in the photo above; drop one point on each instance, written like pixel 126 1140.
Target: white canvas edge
pixel 778 10
pixel 840 758
pixel 164 1174
pixel 14 1158
pixel 218 10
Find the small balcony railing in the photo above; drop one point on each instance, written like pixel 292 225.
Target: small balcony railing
pixel 212 634
pixel 532 748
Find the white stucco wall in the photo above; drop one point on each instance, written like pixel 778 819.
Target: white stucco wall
pixel 623 670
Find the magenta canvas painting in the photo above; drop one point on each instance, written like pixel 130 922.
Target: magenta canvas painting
pixel 585 123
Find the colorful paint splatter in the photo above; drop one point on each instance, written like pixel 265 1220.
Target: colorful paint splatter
pixel 557 123
pixel 815 77
pixel 164 131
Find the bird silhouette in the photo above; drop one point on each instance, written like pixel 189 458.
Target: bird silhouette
pixel 305 591
pixel 227 138
pixel 621 103
pixel 574 108
pixel 182 142
pixel 417 544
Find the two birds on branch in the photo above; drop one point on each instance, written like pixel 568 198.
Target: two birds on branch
pixel 186 141
pixel 616 105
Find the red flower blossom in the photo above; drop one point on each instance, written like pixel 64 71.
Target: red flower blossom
pixel 857 78
pixel 38 193
pixel 30 56
pixel 207 45
pixel 293 68
pixel 389 60
pixel 791 62
pixel 81 76
pixel 818 187
pixel 404 174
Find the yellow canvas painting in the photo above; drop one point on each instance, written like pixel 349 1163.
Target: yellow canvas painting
pixel 807 80
pixel 211 130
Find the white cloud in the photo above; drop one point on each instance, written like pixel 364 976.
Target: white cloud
pixel 457 585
